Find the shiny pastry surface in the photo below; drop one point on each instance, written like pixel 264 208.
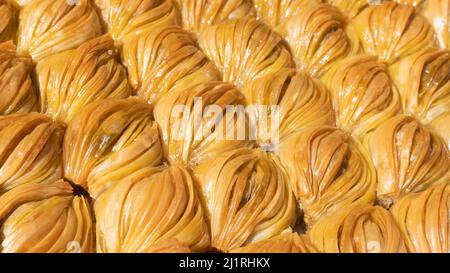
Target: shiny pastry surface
pixel 233 126
pixel 328 171
pixel 358 229
pixel 424 219
pixel 407 157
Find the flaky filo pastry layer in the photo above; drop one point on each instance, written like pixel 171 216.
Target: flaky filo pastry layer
pixel 124 17
pixel 423 218
pixel 163 59
pixel 16 86
pixel 362 92
pixel 245 50
pixel 246 196
pixel 275 12
pixel 350 8
pixel 199 14
pixel 30 150
pixel 70 80
pixel 108 140
pixel 328 171
pixel 393 31
pixel 193 134
pixel 151 210
pixel 46 218
pixel 438 14
pixel 285 102
pixel 286 242
pixel 318 36
pixel 423 81
pixel 50 26
pixel 407 157
pixel 358 229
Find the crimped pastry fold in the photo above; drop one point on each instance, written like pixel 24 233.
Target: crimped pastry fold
pixel 108 140
pixel 30 150
pixel 199 14
pixel 247 197
pixel 286 242
pixel 424 219
pixel 46 219
pixel 17 91
pixel 362 92
pixel 423 80
pixel 407 157
pixel 50 26
pixel 318 36
pixel 70 80
pixel 358 229
pixel 393 31
pixel 198 134
pixel 328 171
pixel 149 207
pixel 303 102
pixel 163 59
pixel 245 50
pixel 124 16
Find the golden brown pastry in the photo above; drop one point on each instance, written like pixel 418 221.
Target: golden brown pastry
pixel 8 21
pixel 414 3
pixel 194 132
pixel 149 207
pixel 169 246
pixel 163 59
pixel 286 242
pixel 393 31
pixel 438 14
pixel 46 219
pixel 424 219
pixel 408 158
pixel 72 79
pixel 22 3
pixel 318 36
pixel 124 16
pixel 247 197
pixel 303 102
pixel 30 150
pixel 362 93
pixel 358 229
pixel 51 26
pixel 328 171
pixel 351 8
pixel 423 81
pixel 17 91
pixel 274 12
pixel 108 140
pixel 245 50
pixel 198 14
pixel 441 125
